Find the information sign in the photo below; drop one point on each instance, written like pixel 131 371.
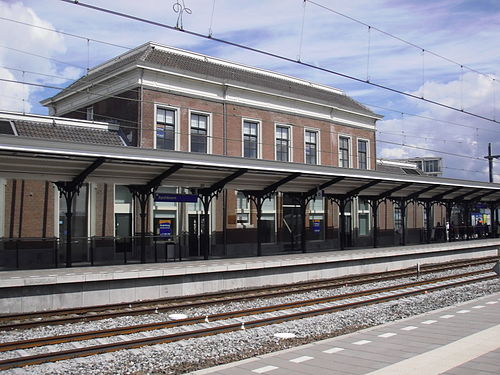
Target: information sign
pixel 164 197
pixel 316 225
pixel 165 228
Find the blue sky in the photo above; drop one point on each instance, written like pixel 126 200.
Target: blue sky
pixel 466 32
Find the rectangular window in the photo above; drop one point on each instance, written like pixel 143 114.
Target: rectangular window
pixel 199 133
pixel 165 129
pixel 362 154
pixel 241 201
pixel 363 217
pixel 311 146
pixel 344 152
pixel 282 143
pixel 431 166
pixel 90 113
pixel 250 139
pixel 398 222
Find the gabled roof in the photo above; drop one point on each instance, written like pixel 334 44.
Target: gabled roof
pixel 171 59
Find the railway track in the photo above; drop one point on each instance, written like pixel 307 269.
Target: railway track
pixel 57 317
pixel 229 321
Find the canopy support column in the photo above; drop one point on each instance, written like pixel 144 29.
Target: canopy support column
pixel 142 194
pixel 427 204
pixel 258 197
pixel 374 205
pixel 402 203
pixel 341 201
pixel 494 219
pixel 70 189
pixel 206 195
pixel 303 200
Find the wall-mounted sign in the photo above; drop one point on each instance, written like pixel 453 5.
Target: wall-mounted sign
pixel 164 197
pixel 165 228
pixel 316 225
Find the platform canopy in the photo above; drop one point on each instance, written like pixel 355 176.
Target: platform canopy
pixel 29 158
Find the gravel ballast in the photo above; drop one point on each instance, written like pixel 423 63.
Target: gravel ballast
pixel 189 355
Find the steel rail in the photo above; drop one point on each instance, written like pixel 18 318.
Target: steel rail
pixel 106 348
pixel 150 307
pixel 52 340
pixel 153 306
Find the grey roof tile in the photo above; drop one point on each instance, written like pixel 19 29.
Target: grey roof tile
pixel 67 133
pixel 225 73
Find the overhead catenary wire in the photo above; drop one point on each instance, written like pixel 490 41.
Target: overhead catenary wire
pixel 239 116
pixel 395 37
pixel 86 38
pixel 389 109
pixel 128 48
pixel 273 55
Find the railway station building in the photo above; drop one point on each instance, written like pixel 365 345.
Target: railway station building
pixel 164 154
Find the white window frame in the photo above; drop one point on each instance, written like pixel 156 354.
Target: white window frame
pixel 273 211
pixel 209 130
pixel 349 154
pixel 89 113
pixel 363 212
pixel 259 136
pixel 368 156
pixel 243 210
pixel 177 132
pixel 290 141
pixel 318 143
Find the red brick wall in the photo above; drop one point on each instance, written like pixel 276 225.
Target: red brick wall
pixel 235 113
pixel 29 209
pixel 104 202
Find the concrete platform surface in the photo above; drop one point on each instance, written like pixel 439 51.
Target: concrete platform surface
pixel 23 278
pixel 459 340
pixel 51 289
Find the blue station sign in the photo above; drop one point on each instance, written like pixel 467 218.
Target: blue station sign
pixel 164 197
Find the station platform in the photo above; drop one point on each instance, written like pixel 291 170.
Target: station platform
pixel 49 289
pixel 460 340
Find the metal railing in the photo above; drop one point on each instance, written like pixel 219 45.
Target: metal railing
pixel 49 252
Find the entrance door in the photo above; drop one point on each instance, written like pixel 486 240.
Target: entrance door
pixel 123 225
pixel 194 232
pixel 197 246
pixel 293 225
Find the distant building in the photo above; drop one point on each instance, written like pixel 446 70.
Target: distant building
pixel 431 166
pixel 399 167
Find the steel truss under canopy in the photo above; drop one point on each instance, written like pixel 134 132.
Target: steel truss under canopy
pixel 144 170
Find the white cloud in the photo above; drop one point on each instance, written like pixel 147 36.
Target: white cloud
pixel 20 66
pixel 12 94
pixel 328 40
pixel 393 153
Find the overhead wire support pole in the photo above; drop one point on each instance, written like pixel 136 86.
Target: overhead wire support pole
pixel 274 55
pixel 490 161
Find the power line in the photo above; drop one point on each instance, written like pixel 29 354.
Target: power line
pixel 41 56
pixel 167 105
pixel 427 118
pixel 65 33
pixel 274 55
pixel 431 150
pixel 112 44
pixel 371 27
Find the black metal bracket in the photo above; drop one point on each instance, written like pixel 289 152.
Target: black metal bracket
pixel 69 190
